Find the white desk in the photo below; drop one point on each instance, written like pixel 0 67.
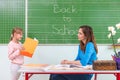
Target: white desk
pixel 29 72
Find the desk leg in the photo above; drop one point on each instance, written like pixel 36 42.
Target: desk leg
pixel 118 76
pixel 26 76
pixel 95 76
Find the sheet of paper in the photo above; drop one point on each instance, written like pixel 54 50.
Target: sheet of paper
pixel 34 66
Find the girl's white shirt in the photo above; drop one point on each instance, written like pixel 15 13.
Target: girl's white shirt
pixel 14 53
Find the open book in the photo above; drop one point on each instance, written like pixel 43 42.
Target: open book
pixel 30 46
pixel 68 67
pixel 58 67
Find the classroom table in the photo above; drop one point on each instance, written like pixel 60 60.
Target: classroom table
pixel 29 72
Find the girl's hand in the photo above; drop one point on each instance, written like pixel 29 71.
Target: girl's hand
pixel 23 48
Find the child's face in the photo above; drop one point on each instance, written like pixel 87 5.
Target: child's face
pixel 18 36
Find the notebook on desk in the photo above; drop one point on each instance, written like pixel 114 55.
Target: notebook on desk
pixel 30 46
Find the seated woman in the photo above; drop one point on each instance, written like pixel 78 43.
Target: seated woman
pixel 87 51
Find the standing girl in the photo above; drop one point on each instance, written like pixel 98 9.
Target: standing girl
pixel 87 51
pixel 14 48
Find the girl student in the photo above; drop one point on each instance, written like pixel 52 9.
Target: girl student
pixel 87 51
pixel 14 48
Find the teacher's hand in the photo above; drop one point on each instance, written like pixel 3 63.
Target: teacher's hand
pixel 64 61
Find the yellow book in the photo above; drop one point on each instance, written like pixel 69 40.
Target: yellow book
pixel 30 46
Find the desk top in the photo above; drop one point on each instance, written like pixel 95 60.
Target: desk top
pixel 49 70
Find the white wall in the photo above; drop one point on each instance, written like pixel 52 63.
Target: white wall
pixel 51 54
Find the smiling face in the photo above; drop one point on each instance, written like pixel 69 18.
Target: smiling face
pixel 81 35
pixel 18 36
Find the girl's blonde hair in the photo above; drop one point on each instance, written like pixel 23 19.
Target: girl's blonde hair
pixel 16 30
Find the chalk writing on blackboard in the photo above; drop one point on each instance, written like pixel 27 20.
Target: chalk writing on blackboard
pixel 63 30
pixel 57 9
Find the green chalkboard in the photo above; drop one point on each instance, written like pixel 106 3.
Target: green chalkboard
pixel 57 21
pixel 11 15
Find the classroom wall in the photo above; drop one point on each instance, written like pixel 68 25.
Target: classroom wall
pixel 51 54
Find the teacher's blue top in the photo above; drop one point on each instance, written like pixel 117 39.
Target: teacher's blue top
pixel 87 57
